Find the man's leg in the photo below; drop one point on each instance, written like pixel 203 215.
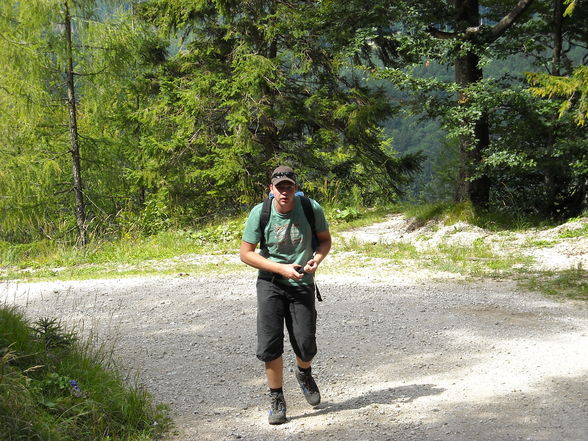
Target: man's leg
pixel 303 364
pixel 301 324
pixel 274 371
pixel 270 345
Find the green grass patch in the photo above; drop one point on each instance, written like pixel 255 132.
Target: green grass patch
pixel 577 232
pixel 104 271
pixel 423 213
pixel 475 260
pixel 569 284
pixel 55 387
pixel 398 251
pixel 538 243
pixel 343 219
pixel 127 250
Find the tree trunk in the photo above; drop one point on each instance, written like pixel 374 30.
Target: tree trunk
pixel 550 172
pixel 557 34
pixel 467 72
pixel 80 211
pixel 266 132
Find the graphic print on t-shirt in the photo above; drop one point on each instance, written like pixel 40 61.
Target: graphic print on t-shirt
pixel 288 237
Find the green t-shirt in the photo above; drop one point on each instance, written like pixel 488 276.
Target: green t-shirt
pixel 288 236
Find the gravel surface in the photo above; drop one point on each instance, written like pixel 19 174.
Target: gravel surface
pixel 401 356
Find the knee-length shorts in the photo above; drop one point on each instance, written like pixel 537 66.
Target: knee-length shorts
pixel 277 305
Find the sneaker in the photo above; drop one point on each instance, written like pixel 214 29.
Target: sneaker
pixel 277 412
pixel 309 387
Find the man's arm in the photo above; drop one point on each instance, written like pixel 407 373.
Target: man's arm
pixel 324 239
pixel 250 257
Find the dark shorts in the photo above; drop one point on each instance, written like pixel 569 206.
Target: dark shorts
pixel 278 304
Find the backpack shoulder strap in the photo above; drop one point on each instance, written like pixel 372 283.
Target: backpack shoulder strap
pixel 309 213
pixel 266 210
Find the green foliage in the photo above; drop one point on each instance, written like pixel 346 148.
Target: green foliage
pixel 35 182
pixel 51 335
pixel 228 232
pixel 503 101
pixel 54 388
pixel 184 107
pixel 574 88
pixel 249 91
pixel 346 214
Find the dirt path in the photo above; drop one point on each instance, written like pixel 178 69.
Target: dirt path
pixel 400 357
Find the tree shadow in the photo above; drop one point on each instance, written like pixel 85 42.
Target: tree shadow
pixel 402 394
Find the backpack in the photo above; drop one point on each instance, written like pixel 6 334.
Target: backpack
pixel 308 212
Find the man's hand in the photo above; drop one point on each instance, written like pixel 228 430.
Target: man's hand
pixel 311 266
pixel 290 271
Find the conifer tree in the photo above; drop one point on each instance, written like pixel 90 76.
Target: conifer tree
pixel 256 83
pixel 62 63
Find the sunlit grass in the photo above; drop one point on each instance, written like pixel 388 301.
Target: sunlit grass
pixel 364 218
pixel 578 232
pixel 127 250
pixel 474 260
pixel 171 252
pixel 451 213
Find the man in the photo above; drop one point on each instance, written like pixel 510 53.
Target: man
pixel 285 285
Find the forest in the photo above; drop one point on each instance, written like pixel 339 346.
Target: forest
pixel 123 117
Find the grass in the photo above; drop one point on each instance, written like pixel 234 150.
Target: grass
pixel 171 252
pixel 568 284
pixel 578 232
pixel 130 255
pixel 476 260
pixel 103 271
pixel 55 387
pixel 341 220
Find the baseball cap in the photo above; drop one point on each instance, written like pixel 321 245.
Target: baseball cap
pixel 283 173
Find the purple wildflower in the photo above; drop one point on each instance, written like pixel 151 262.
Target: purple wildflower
pixel 74 388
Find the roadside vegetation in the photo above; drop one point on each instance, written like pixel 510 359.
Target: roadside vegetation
pixel 55 386
pixel 192 252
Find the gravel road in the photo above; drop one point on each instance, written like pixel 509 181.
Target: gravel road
pixel 401 356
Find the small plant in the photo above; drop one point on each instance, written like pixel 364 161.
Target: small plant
pixel 51 334
pixel 345 215
pixel 227 232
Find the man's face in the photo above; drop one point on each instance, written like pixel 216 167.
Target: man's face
pixel 284 194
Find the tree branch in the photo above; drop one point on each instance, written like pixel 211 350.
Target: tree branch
pixel 508 20
pixel 440 34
